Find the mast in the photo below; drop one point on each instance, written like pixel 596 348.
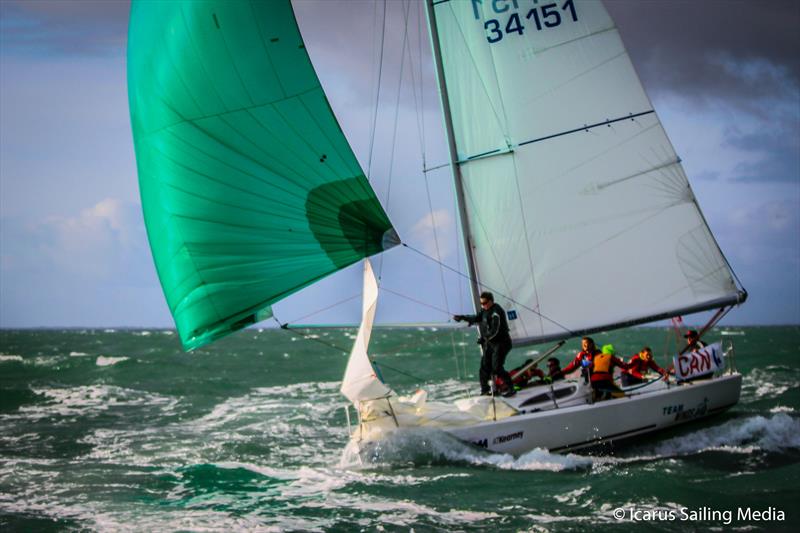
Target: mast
pixel 451 142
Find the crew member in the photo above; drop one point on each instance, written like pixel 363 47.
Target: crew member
pixel 602 374
pixel 495 340
pixel 521 378
pixel 583 359
pixel 638 366
pixel 693 341
pixel 554 372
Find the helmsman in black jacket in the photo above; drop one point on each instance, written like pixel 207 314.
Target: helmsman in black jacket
pixel 495 340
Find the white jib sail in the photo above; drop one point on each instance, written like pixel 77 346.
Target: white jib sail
pixel 361 381
pixel 580 214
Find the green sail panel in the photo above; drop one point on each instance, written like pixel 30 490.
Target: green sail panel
pixel 250 190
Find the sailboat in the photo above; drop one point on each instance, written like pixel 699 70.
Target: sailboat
pixel 573 205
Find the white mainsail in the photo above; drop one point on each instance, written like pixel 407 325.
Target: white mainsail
pixel 580 215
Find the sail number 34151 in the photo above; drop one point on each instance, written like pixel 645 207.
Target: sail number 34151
pixel 538 18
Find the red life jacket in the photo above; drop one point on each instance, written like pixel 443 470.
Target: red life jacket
pixel 638 366
pixel 576 363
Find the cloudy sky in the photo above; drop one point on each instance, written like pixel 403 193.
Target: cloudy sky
pixel 724 76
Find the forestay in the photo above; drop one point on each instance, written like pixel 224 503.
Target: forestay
pixel 249 188
pixel 580 215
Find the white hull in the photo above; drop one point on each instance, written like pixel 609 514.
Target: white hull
pixel 579 426
pixel 533 419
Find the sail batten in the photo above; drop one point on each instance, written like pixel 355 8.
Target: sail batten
pixel 588 127
pixel 579 212
pixel 249 188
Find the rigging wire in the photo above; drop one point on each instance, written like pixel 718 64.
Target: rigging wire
pixel 340 302
pixel 423 254
pixel 377 93
pixel 421 127
pixel 418 107
pixel 285 327
pixel 382 365
pixel 406 7
pixel 409 298
pixel 441 268
pixel 421 81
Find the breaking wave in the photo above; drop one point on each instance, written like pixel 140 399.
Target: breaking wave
pixel 777 433
pixel 420 446
pixel 108 361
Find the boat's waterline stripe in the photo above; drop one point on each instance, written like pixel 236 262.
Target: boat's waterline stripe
pixel 630 432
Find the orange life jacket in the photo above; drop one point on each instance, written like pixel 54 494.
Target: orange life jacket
pixel 602 364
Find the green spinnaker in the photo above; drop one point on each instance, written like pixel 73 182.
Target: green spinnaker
pixel 249 188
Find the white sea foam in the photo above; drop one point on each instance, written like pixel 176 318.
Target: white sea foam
pixel 144 333
pixel 776 433
pixel 572 496
pixel 400 513
pixel 261 470
pixel 770 390
pixel 782 409
pixel 77 354
pixel 47 360
pixel 292 414
pixel 767 384
pixel 424 446
pixel 10 357
pixel 537 459
pixel 90 398
pixel 306 485
pixel 96 517
pixel 108 361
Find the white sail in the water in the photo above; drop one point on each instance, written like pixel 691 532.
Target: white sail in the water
pixel 361 381
pixel 580 215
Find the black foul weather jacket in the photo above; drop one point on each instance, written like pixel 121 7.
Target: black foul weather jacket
pixel 492 324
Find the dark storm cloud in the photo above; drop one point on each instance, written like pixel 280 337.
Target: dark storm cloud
pixel 778 151
pixel 729 49
pixel 63 28
pixel 677 44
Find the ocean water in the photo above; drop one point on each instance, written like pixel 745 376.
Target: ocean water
pixel 119 430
